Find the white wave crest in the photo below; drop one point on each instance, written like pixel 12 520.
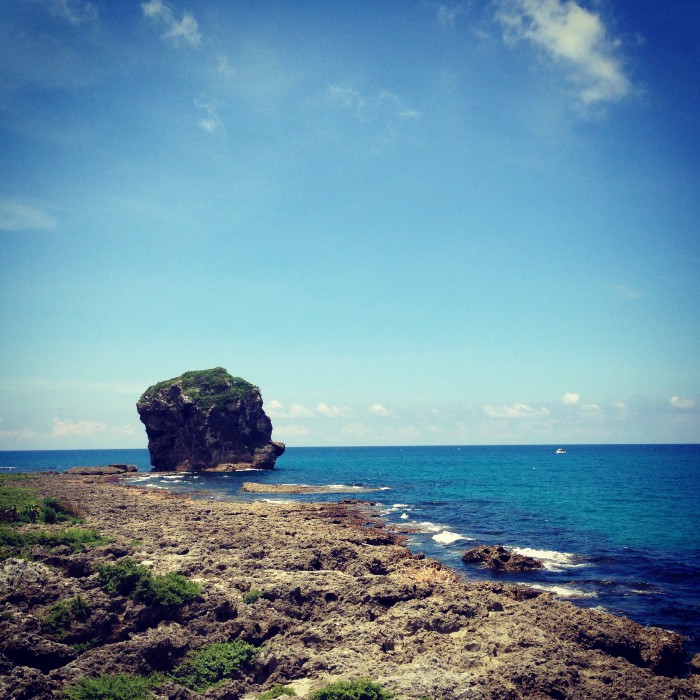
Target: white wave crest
pixel 447 537
pixel 552 560
pixel 562 591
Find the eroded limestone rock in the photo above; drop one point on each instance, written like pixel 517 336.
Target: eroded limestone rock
pixel 207 420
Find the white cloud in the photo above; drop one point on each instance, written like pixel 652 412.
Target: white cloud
pixel 383 107
pixel 18 216
pixel 210 120
pixel 185 29
pixel 355 429
pixel 679 402
pixel 570 398
pixel 517 410
pixel 72 11
pixel 275 409
pixel 331 411
pixel 447 13
pixel 77 428
pixel 300 411
pixel 573 36
pixel 376 409
pixel 287 431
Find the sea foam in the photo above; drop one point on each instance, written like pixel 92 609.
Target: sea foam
pixel 447 537
pixel 552 560
pixel 562 591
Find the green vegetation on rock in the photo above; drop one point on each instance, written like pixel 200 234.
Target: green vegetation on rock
pixel 208 387
pixel 212 664
pixel 140 583
pixel 252 596
pixel 120 686
pixel 60 617
pixel 15 542
pixel 20 504
pixel 360 689
pixel 276 691
pixel 200 670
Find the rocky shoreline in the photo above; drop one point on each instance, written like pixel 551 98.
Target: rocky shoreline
pixel 327 593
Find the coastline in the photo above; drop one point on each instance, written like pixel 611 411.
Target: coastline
pixel 341 597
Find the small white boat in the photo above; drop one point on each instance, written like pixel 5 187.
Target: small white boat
pixel 560 451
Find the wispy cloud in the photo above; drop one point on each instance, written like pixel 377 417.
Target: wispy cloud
pixel 516 410
pixel 573 37
pixel 20 216
pixel 448 12
pixel 291 431
pixel 210 120
pixel 72 11
pixel 376 409
pixel 185 29
pixel 76 428
pixel 369 107
pixel 627 292
pixel 679 402
pixel 384 111
pixel 331 411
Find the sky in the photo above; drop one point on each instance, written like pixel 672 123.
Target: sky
pixel 414 222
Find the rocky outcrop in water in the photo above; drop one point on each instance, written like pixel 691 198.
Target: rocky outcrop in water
pixel 498 558
pixel 207 420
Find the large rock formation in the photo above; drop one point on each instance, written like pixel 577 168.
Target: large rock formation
pixel 209 420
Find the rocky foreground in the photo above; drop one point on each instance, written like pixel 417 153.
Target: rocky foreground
pixel 336 596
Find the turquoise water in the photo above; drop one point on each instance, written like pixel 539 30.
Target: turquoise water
pixel 618 526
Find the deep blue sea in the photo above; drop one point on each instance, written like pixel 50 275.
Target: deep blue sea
pixel 618 526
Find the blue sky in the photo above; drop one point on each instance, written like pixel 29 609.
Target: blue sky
pixel 414 222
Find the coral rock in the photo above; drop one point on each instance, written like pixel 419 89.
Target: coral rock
pixel 498 558
pixel 207 420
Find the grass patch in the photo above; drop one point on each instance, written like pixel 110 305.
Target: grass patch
pixel 120 686
pixel 16 542
pixel 277 691
pixel 211 665
pixel 21 505
pixel 360 689
pixel 60 617
pixel 140 583
pixel 252 596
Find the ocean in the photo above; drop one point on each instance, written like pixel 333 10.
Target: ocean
pixel 618 526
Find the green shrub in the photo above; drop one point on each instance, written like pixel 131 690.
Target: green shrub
pixel 253 595
pixel 121 686
pixel 123 577
pixel 57 620
pixel 275 692
pixel 60 617
pixel 167 591
pixel 360 689
pixel 138 582
pixel 208 666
